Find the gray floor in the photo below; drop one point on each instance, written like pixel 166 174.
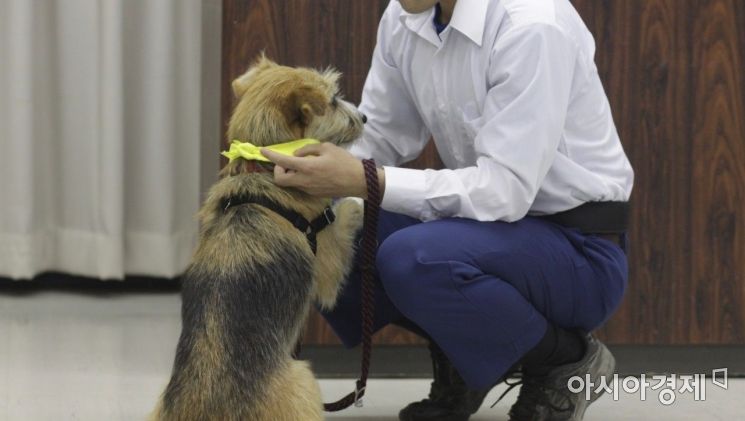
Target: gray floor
pixel 67 356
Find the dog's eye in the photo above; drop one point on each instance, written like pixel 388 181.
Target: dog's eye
pixel 334 101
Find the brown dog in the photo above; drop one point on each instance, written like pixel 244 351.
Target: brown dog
pixel 249 287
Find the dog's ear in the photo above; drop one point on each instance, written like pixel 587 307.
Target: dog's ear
pixel 240 84
pixel 302 106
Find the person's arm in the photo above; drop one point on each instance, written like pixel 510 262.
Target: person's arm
pixel 531 76
pixel 394 132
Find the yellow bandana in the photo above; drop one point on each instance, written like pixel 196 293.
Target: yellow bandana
pixel 252 152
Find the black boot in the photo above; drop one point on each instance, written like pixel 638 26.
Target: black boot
pixel 449 397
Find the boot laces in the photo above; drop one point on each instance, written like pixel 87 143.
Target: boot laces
pixel 535 392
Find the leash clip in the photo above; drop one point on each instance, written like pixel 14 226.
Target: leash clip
pixel 358 396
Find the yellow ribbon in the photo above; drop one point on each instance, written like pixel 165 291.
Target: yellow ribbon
pixel 252 152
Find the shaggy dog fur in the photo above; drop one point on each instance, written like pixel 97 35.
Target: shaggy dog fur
pixel 249 287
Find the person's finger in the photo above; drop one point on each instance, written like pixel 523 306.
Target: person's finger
pixel 283 177
pixel 306 150
pixel 283 160
pixel 280 170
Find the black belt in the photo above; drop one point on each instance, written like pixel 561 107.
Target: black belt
pixel 594 218
pixel 309 228
pixel 608 220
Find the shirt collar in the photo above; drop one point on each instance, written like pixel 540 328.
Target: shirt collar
pixel 421 24
pixel 469 18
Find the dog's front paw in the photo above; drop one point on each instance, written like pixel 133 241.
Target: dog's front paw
pixel 333 265
pixel 349 214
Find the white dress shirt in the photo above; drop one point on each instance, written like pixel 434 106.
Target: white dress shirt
pixel 511 95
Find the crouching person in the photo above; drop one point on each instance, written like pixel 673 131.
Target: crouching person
pixel 511 256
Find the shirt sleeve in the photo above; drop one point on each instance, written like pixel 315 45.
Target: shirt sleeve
pixel 394 132
pixel 530 78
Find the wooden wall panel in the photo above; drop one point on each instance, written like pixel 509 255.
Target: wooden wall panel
pixel 717 223
pixel 673 73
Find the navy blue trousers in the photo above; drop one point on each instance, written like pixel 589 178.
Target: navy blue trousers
pixel 485 291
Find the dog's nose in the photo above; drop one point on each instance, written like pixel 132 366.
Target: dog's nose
pixel 364 118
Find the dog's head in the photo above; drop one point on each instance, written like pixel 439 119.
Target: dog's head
pixel 277 104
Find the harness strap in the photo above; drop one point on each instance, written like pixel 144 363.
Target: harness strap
pixel 309 228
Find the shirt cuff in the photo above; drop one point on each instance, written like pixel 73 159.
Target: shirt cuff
pixel 404 191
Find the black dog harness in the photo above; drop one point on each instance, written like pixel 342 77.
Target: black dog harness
pixel 309 228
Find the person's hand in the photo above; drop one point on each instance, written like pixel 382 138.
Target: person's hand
pixel 324 170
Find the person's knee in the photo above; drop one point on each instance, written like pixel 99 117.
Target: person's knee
pixel 398 266
pixel 396 257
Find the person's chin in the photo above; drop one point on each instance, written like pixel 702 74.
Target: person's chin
pixel 416 6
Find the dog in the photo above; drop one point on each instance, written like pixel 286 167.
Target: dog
pixel 249 287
